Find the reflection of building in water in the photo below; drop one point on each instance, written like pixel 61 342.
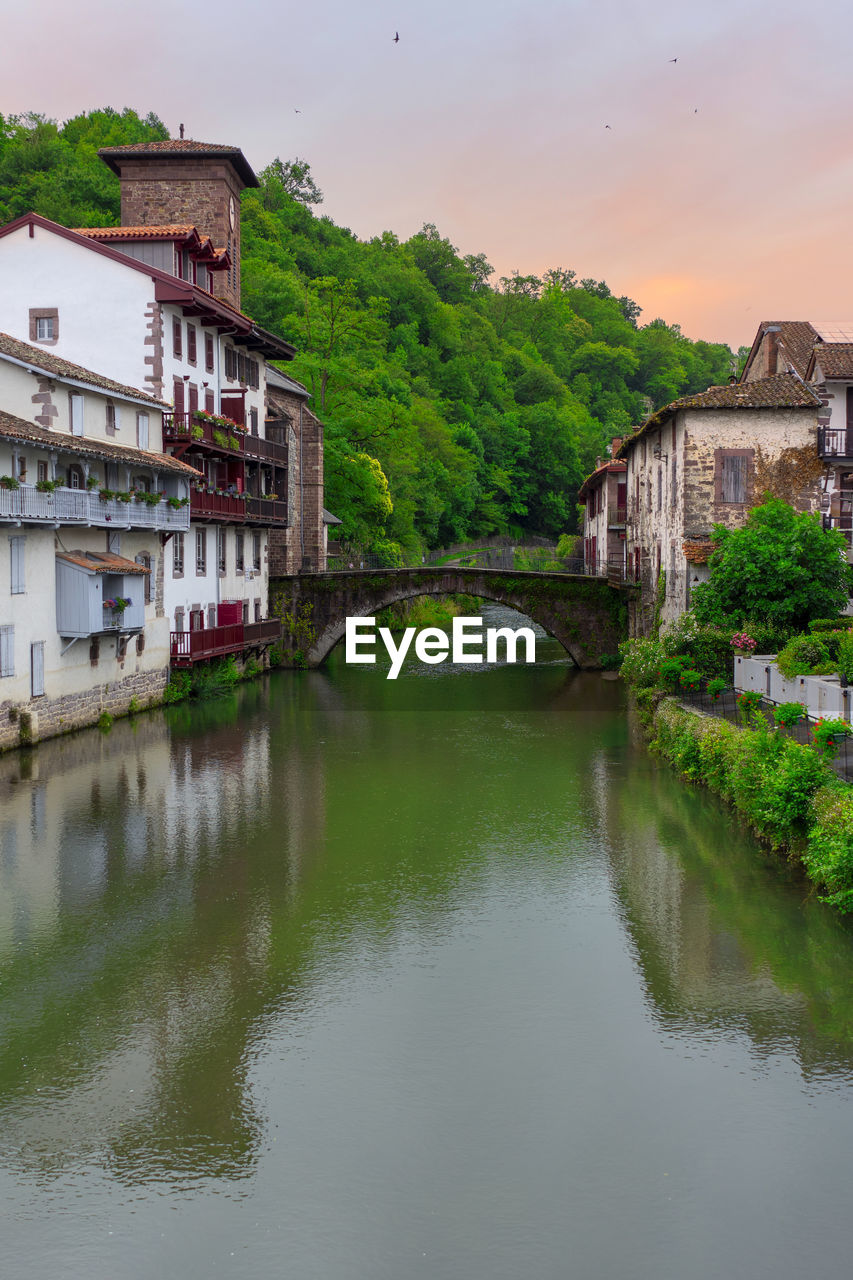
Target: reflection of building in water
pixel 136 947
pixel 719 935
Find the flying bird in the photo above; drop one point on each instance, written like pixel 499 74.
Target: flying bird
pixel 607 126
pixel 673 59
pixel 297 111
pixel 396 39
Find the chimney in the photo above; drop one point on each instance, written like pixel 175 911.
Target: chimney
pixel 615 446
pixel 771 333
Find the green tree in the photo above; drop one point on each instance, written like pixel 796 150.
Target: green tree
pixel 782 568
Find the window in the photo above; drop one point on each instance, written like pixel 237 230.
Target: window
pixel 7 651
pixel 76 414
pixel 732 475
pixel 230 364
pixel 238 552
pixel 193 398
pixel 16 546
pixel 114 543
pixel 142 430
pixel 21 467
pixel 178 556
pixel 201 552
pixel 177 346
pixel 145 560
pixel 220 548
pixel 208 353
pixel 209 402
pixel 111 420
pixel 44 325
pixel 245 612
pixel 178 397
pixel 253 421
pixel 191 345
pixel 141 483
pixel 75 478
pixel 37 669
pixel 41 471
pixel 257 611
pixel 179 619
pixel 211 615
pixel 256 550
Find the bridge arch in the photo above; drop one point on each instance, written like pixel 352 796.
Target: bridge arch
pixel 585 615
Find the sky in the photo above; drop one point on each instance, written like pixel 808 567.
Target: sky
pixel 720 195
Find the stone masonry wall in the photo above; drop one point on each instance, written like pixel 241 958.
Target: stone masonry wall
pixel 39 718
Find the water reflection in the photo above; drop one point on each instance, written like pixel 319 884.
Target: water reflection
pixel 180 894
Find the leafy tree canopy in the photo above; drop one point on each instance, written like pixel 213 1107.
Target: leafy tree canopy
pixel 455 405
pixel 782 568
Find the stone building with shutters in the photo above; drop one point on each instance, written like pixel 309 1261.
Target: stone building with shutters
pixel 604 495
pixel 705 460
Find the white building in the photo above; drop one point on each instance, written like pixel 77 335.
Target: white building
pixel 87 501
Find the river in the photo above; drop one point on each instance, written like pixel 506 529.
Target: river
pixel 346 978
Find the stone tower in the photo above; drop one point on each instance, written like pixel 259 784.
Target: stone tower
pixel 181 181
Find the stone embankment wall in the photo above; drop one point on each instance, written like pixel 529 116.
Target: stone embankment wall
pixel 24 723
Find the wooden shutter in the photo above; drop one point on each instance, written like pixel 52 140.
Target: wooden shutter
pixel 37 668
pixel 142 430
pixel 7 651
pixel 178 396
pixel 76 415
pixel 733 487
pixel 19 584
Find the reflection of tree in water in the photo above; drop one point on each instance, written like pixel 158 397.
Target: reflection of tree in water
pixel 728 936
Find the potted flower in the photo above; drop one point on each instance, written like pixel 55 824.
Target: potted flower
pixel 9 482
pixel 828 736
pixel 748 703
pixel 717 687
pixel 92 482
pixel 47 486
pixel 788 714
pixel 743 644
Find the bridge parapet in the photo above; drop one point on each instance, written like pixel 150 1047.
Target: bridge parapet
pixel 588 616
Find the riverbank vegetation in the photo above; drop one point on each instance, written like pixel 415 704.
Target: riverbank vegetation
pixel 783 790
pixel 456 405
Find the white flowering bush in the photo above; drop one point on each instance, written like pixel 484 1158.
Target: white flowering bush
pixel 641 662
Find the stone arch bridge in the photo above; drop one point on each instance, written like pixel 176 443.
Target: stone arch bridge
pixel 588 616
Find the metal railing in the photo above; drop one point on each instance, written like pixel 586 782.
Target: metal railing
pixel 835 442
pixel 617 515
pixel 87 507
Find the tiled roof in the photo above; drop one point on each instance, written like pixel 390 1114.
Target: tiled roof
pixel 835 359
pixel 784 391
pixel 180 148
pixel 102 562
pixel 698 550
pixel 38 358
pixel 85 447
pixel 796 339
pixel 599 475
pixel 169 231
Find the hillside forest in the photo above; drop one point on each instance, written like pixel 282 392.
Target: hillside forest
pixel 456 405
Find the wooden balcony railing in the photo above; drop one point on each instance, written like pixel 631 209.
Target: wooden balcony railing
pixel 835 442
pixel 187 647
pixel 266 511
pixel 217 506
pixel 265 450
pixel 185 429
pixel 617 515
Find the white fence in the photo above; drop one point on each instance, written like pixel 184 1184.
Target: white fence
pixel 80 506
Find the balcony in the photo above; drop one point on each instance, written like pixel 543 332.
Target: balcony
pixel 265 511
pixel 835 443
pixel 83 507
pixel 617 517
pixel 265 450
pixel 185 430
pixel 217 506
pixel 188 647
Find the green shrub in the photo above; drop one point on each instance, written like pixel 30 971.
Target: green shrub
pixel 717 686
pixel 710 648
pixel 828 856
pixel 748 703
pixel 670 672
pixel 788 714
pixel 178 688
pixel 105 722
pixel 641 661
pixel 691 680
pixel 844 656
pixel 830 624
pixel 828 735
pixel 801 655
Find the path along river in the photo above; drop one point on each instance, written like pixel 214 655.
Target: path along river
pixel 351 979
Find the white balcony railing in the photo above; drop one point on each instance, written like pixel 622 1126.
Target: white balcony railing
pixel 79 506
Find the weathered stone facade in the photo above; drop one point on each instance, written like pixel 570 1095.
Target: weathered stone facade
pixel 706 461
pixel 289 421
pixel 22 724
